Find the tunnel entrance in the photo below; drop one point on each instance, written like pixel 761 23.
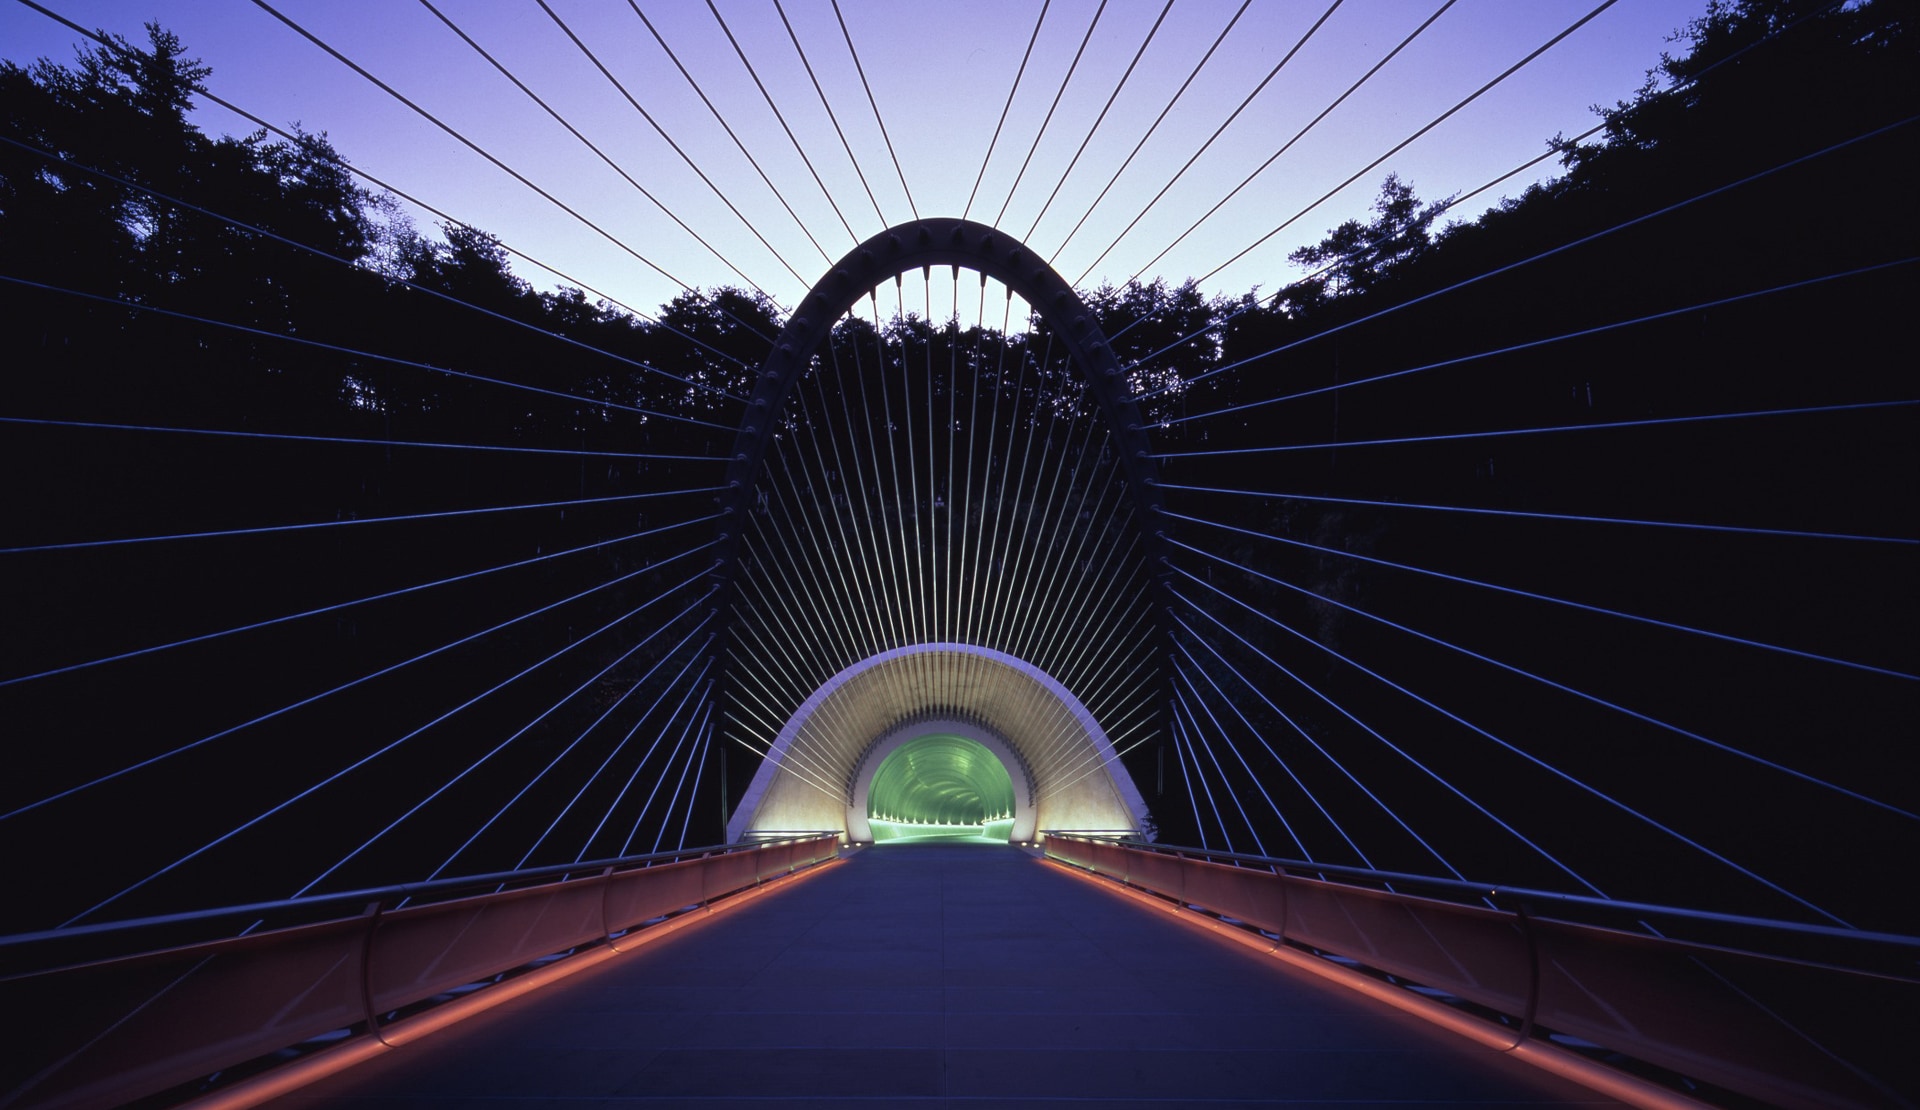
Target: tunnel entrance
pixel 941 788
pixel 819 770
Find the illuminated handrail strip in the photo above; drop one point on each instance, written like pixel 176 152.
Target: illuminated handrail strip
pixel 1783 1025
pixel 1578 908
pixel 112 1029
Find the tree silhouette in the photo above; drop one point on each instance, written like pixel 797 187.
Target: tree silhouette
pixel 1358 257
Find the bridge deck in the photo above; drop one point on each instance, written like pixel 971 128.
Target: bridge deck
pixel 934 975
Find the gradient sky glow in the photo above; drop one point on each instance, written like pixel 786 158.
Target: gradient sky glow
pixel 941 74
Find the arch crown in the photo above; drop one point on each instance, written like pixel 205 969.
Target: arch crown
pixel 923 244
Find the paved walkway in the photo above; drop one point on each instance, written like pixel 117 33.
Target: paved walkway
pixel 940 975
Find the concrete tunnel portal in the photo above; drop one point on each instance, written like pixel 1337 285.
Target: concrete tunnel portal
pixel 948 741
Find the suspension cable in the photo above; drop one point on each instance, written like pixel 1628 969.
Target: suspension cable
pixel 1532 344
pixel 648 116
pixel 1342 710
pixel 875 105
pixel 1155 126
pixel 1429 126
pixel 586 846
pixel 1221 695
pixel 846 623
pixel 350 441
pixel 921 576
pixel 831 117
pixel 1552 429
pixel 1048 118
pixel 1697 526
pixel 1549 253
pixel 336 161
pixel 1181 707
pixel 590 145
pixel 1522 753
pixel 1180 753
pixel 667 813
pixel 343 772
pixel 852 539
pixel 878 553
pixel 1005 108
pixel 781 116
pixel 302 341
pixel 1098 120
pixel 728 128
pixel 335 607
pixel 1600 610
pixel 1181 718
pixel 1297 136
pixel 1583 695
pixel 457 136
pixel 1302 732
pixel 1449 203
pixel 632 687
pixel 267 529
pixel 1233 795
pixel 350 684
pixel 1181 172
pixel 502 746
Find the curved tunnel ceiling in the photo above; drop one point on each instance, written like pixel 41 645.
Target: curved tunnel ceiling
pixel 941 779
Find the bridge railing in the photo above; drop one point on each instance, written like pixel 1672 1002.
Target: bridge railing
pixel 1797 1015
pixel 101 1015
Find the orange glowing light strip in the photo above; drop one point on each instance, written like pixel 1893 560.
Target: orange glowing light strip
pixel 290 1077
pixel 1549 1057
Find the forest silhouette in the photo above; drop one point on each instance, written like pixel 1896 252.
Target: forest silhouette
pixel 1746 244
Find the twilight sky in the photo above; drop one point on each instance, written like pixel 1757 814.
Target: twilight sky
pixel 941 74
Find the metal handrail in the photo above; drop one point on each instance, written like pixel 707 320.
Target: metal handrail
pixel 1790 1013
pixel 15 949
pixel 1528 899
pixel 125 1009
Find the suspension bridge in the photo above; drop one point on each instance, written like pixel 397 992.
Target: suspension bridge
pixel 1478 671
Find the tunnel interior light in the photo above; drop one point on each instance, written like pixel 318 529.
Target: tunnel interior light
pixel 941 787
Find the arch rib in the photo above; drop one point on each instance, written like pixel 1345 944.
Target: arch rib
pixel 925 243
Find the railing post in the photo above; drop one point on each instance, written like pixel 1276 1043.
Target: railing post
pixel 606 893
pixel 1525 921
pixel 1285 880
pixel 372 914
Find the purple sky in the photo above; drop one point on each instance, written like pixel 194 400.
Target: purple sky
pixel 941 73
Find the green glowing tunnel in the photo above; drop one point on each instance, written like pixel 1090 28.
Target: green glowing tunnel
pixel 941 781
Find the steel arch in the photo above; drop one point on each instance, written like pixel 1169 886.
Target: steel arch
pixel 923 244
